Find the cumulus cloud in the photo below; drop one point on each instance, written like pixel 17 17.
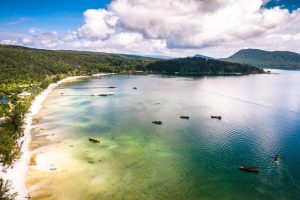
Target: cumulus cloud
pixel 178 27
pixel 98 24
pixel 189 23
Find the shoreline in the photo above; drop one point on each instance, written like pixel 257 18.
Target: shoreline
pixel 16 173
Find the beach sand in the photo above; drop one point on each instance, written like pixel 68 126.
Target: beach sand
pixel 16 173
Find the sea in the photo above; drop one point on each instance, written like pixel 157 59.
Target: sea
pixel 185 159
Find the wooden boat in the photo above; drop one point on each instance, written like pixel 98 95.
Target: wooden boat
pixel 94 140
pixel 106 94
pixel 249 169
pixel 216 117
pixel 184 117
pixel 157 122
pixel 276 159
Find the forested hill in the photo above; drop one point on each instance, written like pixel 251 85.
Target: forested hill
pixel 19 63
pixel 22 64
pixel 266 59
pixel 200 66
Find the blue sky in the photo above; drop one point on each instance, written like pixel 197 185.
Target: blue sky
pixel 289 4
pixel 165 27
pixel 20 15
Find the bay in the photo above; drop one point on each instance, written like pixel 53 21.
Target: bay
pixel 197 158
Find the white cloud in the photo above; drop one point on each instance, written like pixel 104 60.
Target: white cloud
pixel 98 24
pixel 178 27
pixel 9 42
pixel 27 40
pixel 197 23
pixel 193 24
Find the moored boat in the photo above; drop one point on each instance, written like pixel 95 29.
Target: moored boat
pixel 106 94
pixel 94 140
pixel 184 117
pixel 276 159
pixel 157 122
pixel 249 169
pixel 216 117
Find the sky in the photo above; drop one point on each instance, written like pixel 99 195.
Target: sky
pixel 177 28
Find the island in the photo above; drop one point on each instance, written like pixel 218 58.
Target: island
pixel 194 66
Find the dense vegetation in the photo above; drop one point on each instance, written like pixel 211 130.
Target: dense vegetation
pixel 21 63
pixel 32 70
pixel 200 66
pixel 266 59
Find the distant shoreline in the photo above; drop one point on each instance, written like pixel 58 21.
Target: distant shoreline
pixel 204 74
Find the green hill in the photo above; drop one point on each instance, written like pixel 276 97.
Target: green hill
pixel 266 59
pixel 200 66
pixel 22 63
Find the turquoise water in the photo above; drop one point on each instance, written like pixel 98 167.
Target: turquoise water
pixel 182 159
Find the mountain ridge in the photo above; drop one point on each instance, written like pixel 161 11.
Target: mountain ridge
pixel 266 59
pixel 203 56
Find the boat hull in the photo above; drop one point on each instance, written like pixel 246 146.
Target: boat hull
pixel 249 169
pixel 216 117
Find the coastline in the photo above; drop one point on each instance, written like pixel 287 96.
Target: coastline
pixel 16 173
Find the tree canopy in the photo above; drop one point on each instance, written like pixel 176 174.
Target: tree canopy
pixel 200 66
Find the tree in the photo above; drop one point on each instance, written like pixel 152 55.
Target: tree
pixel 16 118
pixel 5 190
pixel 8 147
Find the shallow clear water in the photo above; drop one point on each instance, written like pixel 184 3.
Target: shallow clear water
pixel 182 159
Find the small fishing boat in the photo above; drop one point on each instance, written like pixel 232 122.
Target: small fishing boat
pixel 216 117
pixel 112 87
pixel 106 94
pixel 184 117
pixel 135 88
pixel 94 140
pixel 276 159
pixel 249 169
pixel 157 122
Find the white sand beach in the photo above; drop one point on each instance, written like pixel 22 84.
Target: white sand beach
pixel 16 173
